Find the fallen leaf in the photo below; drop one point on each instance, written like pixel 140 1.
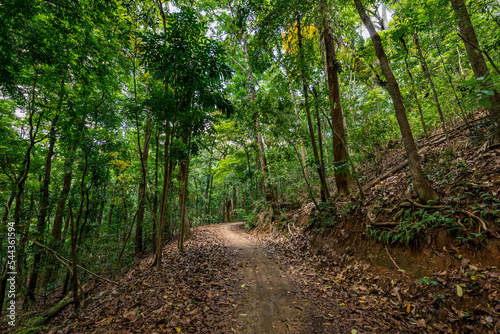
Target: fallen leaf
pixel 460 291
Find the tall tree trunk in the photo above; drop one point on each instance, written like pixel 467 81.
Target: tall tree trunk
pixel 383 10
pixel 164 196
pixel 183 185
pixel 44 203
pixel 415 96
pixel 205 204
pixel 477 61
pixel 260 141
pixel 68 174
pixel 82 192
pixel 142 186
pixel 227 203
pixel 76 299
pixel 57 225
pixel 235 199
pixel 245 196
pixel 3 278
pixel 343 178
pixel 322 178
pixel 297 118
pixel 83 226
pixel 155 199
pixel 320 141
pixel 425 68
pixel 3 282
pixel 420 183
pixel 250 175
pixel 210 194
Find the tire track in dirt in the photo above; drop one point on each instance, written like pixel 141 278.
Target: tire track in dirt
pixel 269 305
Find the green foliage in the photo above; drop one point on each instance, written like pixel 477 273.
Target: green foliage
pixel 427 281
pixel 251 220
pixel 414 224
pixel 478 90
pixel 324 218
pixel 111 76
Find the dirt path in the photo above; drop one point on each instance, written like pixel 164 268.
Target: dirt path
pixel 228 281
pixel 270 305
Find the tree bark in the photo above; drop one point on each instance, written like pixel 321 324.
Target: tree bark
pixel 142 186
pixel 82 192
pixel 183 178
pixel 295 107
pixel 68 174
pixel 74 270
pixel 425 68
pixel 44 203
pixel 164 197
pixel 421 186
pixel 324 187
pixel 477 61
pixel 3 283
pixel 320 141
pixel 415 96
pixel 260 141
pixel 155 199
pixel 343 178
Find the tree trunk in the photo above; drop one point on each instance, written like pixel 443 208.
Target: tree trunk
pixel 420 183
pixel 44 203
pixel 235 199
pixel 3 282
pixel 425 68
pixel 295 107
pixel 250 175
pixel 21 180
pixel 320 140
pixel 82 192
pixel 74 275
pixel 477 61
pixel 415 96
pixel 260 140
pixel 324 187
pixel 142 186
pixel 68 174
pixel 155 199
pixel 183 185
pixel 343 178
pixel 227 202
pixel 164 197
pixel 383 10
pixel 209 207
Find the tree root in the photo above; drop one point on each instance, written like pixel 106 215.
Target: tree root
pixel 441 207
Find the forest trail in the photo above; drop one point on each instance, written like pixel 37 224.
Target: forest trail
pixel 230 281
pixel 269 304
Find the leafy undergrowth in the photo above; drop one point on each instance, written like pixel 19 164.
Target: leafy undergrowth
pixel 349 293
pixel 195 292
pixel 468 183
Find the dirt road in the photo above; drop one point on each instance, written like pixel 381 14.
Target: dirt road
pixel 270 304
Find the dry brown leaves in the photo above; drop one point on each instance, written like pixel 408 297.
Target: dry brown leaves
pixel 195 292
pixel 350 294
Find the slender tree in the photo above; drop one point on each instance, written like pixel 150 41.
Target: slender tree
pixel 479 67
pixel 421 186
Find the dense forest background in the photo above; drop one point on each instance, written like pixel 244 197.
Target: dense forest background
pixel 125 123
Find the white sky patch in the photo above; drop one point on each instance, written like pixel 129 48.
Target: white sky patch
pixel 364 31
